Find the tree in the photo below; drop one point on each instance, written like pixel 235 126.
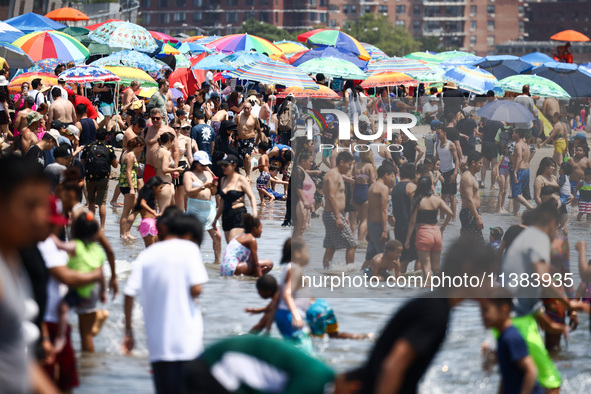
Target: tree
pixel 378 31
pixel 264 30
pixel 431 44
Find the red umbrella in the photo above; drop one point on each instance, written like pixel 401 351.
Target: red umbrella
pixel 163 37
pixel 190 79
pixel 97 25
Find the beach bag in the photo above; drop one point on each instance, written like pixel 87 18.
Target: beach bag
pixel 286 118
pixel 97 161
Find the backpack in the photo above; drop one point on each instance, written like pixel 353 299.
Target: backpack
pixel 286 118
pixel 97 161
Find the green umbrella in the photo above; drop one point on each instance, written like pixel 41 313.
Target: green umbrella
pixel 78 33
pixel 332 67
pixel 424 56
pixel 444 56
pixel 538 86
pixel 98 49
pixel 182 61
pixel 427 78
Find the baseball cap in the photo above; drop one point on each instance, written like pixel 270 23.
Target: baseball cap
pixel 56 212
pixel 71 129
pixel 57 124
pixel 215 95
pixel 178 85
pixel 55 134
pixel 61 151
pixel 329 118
pixel 202 157
pixel 433 98
pixel 70 92
pixel 185 125
pixel 30 99
pixel 229 159
pixel 435 123
pixel 61 78
pixel 33 117
pixel 581 136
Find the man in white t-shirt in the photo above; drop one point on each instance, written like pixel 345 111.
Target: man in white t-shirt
pixel 169 276
pixel 431 108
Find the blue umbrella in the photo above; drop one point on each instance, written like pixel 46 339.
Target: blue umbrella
pixel 9 33
pixel 213 62
pixel 30 22
pixel 192 47
pixel 536 58
pixel 506 111
pixel 129 58
pixel 331 52
pixel 572 78
pixel 206 40
pixel 585 67
pixel 503 66
pixel 16 57
pixel 459 61
pixel 240 58
pixel 471 78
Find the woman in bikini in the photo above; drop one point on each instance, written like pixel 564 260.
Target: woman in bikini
pixel 233 187
pixel 304 188
pixel 164 166
pixel 558 136
pixel 365 175
pixel 546 188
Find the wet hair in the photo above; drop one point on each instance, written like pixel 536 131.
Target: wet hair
pixel 408 171
pixel 101 134
pixel 291 245
pixel 473 156
pixel 166 137
pixel 135 142
pixel 546 213
pixel 81 109
pixel 286 155
pixel 181 225
pixel 146 191
pixel 56 92
pixel 385 169
pixel 496 233
pixel 267 283
pixel 140 122
pixel 345 156
pixel 264 145
pixel 250 222
pixel 392 245
pixel 424 189
pixel 17 172
pixel 566 167
pixel 545 163
pixel 85 227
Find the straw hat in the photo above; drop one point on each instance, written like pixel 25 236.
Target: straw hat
pixel 451 85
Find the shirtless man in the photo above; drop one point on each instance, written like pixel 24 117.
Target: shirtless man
pixel 61 109
pixel 338 232
pixel 580 163
pixel 129 95
pixel 550 107
pixel 29 133
pixel 137 126
pixel 377 217
pixel 470 215
pixel 154 132
pixel 21 119
pixel 265 111
pixel 520 176
pixel 248 127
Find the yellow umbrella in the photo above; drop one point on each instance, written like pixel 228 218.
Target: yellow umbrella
pixel 168 49
pixel 146 93
pixel 290 47
pixel 128 74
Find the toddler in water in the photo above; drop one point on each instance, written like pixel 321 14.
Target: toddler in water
pixel 584 190
pixel 495 237
pixel 269 174
pixel 566 169
pixel 146 206
pixel 386 264
pixel 263 168
pixel 86 255
pixel 503 179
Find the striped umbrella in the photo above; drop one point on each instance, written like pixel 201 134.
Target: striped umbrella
pixel 399 65
pixel 87 74
pixel 243 42
pixel 572 78
pixel 429 78
pixel 467 60
pixel 443 56
pixel 321 92
pixel 124 35
pixel 129 58
pixel 290 47
pixel 334 38
pixel 332 68
pixel 374 52
pixel 538 86
pixel 163 37
pixel 274 72
pixel 128 75
pixel 423 56
pixel 239 59
pixel 52 44
pixel 14 87
pixel 388 79
pixel 471 78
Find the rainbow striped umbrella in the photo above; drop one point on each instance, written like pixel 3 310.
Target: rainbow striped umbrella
pixel 14 87
pixel 274 72
pixel 52 44
pixel 242 42
pixel 378 80
pixel 321 92
pixel 332 67
pixel 399 65
pixel 334 38
pixel 124 35
pixel 290 47
pixel 424 57
pixel 87 74
pixel 471 78
pixel 375 52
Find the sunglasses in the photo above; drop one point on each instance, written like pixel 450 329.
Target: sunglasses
pixel 186 128
pixel 176 128
pixel 155 119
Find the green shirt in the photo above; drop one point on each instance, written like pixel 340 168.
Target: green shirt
pixel 260 364
pixel 88 258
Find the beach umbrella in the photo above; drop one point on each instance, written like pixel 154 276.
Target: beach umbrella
pixel 400 65
pixel 52 44
pixel 193 38
pixel 9 33
pixel 330 52
pixel 192 47
pixel 97 25
pixel 129 58
pixel 207 39
pixel 332 68
pixel 471 78
pixel 166 49
pixel 321 92
pixel 574 80
pixel 585 67
pixel 243 42
pixel 46 65
pixel 96 49
pixel 146 92
pixel 274 72
pixel 163 37
pixel 124 35
pixel 14 86
pixel 78 33
pixel 15 56
pixel 290 47
pixel 570 35
pixel 128 75
pixel 443 56
pixel 506 111
pixel 423 56
pixel 182 61
pixel 536 58
pixel 67 14
pixel 334 38
pixel 374 52
pixel 427 78
pixel 388 79
pixel 538 86
pixel 459 61
pixel 503 66
pixel 239 59
pixel 213 62
pixel 87 74
pixel 30 22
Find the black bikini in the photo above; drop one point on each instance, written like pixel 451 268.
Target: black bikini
pixel 231 217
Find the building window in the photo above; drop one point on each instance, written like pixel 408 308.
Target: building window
pixel 163 3
pixel 264 17
pixel 472 40
pixel 332 23
pixel 401 23
pixel 353 9
pixel 181 3
pixel 400 9
pixel 232 17
pixel 322 16
pixel 333 7
pixel 276 17
pixel 345 9
pixel 490 40
pixel 416 25
pixel 312 3
pixel 521 25
pixel 147 18
pixel 197 3
pixel 383 9
pixel 231 3
pixel 490 9
pixel 312 16
pixel 322 3
pixel 249 3
pixel 146 3
pixel 179 16
pixel 491 25
pixel 197 16
pixel 473 10
pixel 164 18
pixel 416 9
pixel 367 9
pixel 472 25
pixel 264 2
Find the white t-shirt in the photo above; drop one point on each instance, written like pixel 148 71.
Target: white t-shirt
pixel 56 290
pixel 428 107
pixel 64 93
pixel 163 275
pixel 38 96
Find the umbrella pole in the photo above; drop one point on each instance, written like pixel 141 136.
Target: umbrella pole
pixel 116 106
pixel 417 102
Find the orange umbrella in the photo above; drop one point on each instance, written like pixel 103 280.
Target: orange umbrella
pixel 322 92
pixel 67 14
pixel 14 87
pixel 388 79
pixel 193 38
pixel 570 35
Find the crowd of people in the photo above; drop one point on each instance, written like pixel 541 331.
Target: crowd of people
pixel 192 165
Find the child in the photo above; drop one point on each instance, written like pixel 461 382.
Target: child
pixel 495 237
pixel 263 168
pixel 566 168
pixel 422 170
pixel 518 371
pixel 437 178
pixel 385 264
pixel 240 256
pixel 503 179
pixel 86 255
pixel 584 190
pixel 265 190
pixel 146 206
